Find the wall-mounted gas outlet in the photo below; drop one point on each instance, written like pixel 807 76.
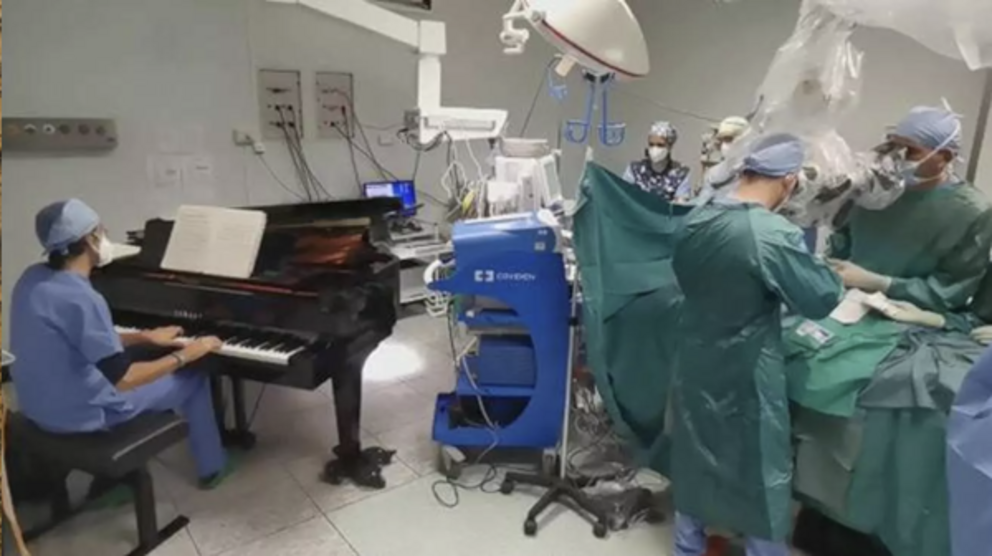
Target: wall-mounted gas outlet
pixel 335 97
pixel 280 103
pixel 59 134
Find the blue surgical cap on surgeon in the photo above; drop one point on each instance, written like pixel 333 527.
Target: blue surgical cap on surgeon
pixel 666 130
pixel 61 224
pixel 776 155
pixel 933 128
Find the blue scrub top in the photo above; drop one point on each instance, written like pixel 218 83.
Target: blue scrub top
pixel 60 328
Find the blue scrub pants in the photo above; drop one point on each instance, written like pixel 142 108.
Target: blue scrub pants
pixel 187 392
pixel 690 540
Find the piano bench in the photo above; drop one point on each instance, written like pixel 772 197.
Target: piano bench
pixel 120 454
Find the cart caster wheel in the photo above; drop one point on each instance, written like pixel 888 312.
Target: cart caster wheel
pixel 530 528
pixel 599 530
pixel 550 463
pixel 507 487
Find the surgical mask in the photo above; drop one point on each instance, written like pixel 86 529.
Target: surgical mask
pixel 104 252
pixel 907 169
pixel 658 154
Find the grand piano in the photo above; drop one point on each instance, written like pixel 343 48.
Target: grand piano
pixel 321 298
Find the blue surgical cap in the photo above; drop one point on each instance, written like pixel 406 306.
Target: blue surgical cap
pixel 666 130
pixel 63 223
pixel 776 155
pixel 933 128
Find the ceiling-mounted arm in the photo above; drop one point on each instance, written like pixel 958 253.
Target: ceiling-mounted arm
pixel 429 41
pixel 601 36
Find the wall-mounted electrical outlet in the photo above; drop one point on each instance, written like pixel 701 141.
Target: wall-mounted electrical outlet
pixel 242 138
pixel 280 103
pixel 335 97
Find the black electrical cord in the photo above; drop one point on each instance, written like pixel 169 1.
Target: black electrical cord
pixel 315 182
pixel 311 183
pixel 492 472
pixel 258 402
pixel 284 127
pixel 385 172
pixel 294 156
pixel 351 154
pixel 281 183
pixel 537 95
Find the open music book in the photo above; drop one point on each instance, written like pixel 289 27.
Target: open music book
pixel 216 241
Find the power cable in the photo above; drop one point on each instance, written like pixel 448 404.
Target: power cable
pixel 315 182
pixel 537 95
pixel 278 180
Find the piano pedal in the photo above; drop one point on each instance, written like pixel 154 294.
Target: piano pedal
pixel 380 456
pixel 231 438
pixel 364 470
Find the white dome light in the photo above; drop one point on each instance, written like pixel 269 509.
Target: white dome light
pixel 603 36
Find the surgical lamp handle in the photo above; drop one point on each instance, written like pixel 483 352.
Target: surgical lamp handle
pixel 558 90
pixel 611 134
pixel 577 131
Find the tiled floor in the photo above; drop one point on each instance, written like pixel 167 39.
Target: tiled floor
pixel 276 506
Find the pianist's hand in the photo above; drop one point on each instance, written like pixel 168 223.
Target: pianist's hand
pixel 201 347
pixel 165 336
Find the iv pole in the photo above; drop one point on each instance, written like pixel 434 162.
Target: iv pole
pixel 981 127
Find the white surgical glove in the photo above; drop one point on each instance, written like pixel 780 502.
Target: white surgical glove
pixel 908 313
pixel 982 335
pixel 856 277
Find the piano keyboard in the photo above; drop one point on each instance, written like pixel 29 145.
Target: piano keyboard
pixel 274 351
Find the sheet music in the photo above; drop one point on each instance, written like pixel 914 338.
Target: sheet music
pixel 216 241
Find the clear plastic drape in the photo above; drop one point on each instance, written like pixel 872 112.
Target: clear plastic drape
pixel 960 29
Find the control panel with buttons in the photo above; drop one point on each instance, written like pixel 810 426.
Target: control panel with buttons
pixel 59 134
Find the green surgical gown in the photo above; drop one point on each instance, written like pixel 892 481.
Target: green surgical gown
pixel 624 241
pixel 934 244
pixel 731 456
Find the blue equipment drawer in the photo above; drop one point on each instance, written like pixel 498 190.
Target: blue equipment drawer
pixel 504 361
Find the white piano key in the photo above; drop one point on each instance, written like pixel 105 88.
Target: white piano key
pixel 270 356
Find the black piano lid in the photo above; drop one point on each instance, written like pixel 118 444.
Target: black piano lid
pixel 155 236
pixel 287 215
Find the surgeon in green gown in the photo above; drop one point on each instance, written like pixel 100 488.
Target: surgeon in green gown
pixel 737 263
pixel 930 249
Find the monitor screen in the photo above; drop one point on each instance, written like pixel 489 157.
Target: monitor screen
pixel 402 190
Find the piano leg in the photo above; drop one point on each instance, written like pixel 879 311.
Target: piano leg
pixel 217 395
pixel 363 467
pixel 240 436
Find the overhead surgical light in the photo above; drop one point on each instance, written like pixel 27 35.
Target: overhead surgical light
pixel 602 36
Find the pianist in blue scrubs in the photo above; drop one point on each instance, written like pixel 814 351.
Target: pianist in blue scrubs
pixel 75 373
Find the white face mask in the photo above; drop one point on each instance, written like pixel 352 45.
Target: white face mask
pixel 104 252
pixel 658 154
pixel 908 168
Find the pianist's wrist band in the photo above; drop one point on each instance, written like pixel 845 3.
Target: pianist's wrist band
pixel 180 360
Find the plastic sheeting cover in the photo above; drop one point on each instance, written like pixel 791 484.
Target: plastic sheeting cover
pixel 812 83
pixel 958 29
